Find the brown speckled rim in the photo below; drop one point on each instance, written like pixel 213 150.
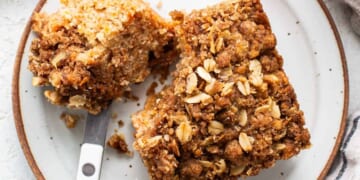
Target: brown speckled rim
pixel 20 125
pixel 341 132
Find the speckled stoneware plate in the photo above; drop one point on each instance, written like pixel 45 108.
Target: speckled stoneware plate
pixel 314 61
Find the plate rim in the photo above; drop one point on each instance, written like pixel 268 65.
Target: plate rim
pixel 19 125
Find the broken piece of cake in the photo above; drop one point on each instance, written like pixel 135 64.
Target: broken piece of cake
pixel 230 110
pixel 90 51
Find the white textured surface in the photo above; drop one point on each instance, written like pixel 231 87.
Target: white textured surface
pixel 13 16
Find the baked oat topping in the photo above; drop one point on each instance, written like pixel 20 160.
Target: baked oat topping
pixel 230 110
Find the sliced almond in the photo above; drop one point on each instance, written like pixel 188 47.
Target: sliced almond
pixel 219 44
pixel 245 142
pixel 220 166
pixel 77 101
pixel 215 128
pixel 184 132
pixel 271 78
pixel 166 137
pixel 237 170
pixel 178 118
pixel 263 109
pixel 256 76
pixel 227 89
pixel 255 66
pixel 275 110
pixel 203 74
pixel 191 83
pixel 149 142
pixel 243 118
pixel 202 97
pixel 280 147
pixel 206 164
pixel 244 87
pixel 213 87
pixel 209 65
pixel 256 79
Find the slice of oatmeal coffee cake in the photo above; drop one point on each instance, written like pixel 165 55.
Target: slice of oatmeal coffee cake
pixel 230 110
pixel 90 51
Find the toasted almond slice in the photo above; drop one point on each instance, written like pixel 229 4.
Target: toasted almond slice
pixel 256 75
pixel 203 74
pixel 178 118
pixel 280 147
pixel 149 142
pixel 263 109
pixel 219 44
pixel 243 118
pixel 215 128
pixel 227 89
pixel 244 87
pixel 206 164
pixel 256 79
pixel 209 65
pixel 191 83
pixel 275 110
pixel 184 132
pixel 271 78
pixel 202 97
pixel 237 170
pixel 220 166
pixel 77 101
pixel 245 142
pixel 255 66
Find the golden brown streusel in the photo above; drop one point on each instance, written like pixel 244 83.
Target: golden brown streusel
pixel 230 110
pixel 89 51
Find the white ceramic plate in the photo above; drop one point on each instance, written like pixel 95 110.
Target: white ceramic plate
pixel 314 62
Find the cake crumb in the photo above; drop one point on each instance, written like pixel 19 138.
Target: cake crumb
pixel 69 119
pixel 117 141
pixel 114 115
pixel 121 123
pixel 129 95
pixel 159 5
pixel 151 89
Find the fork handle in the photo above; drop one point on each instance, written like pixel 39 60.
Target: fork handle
pixel 90 162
